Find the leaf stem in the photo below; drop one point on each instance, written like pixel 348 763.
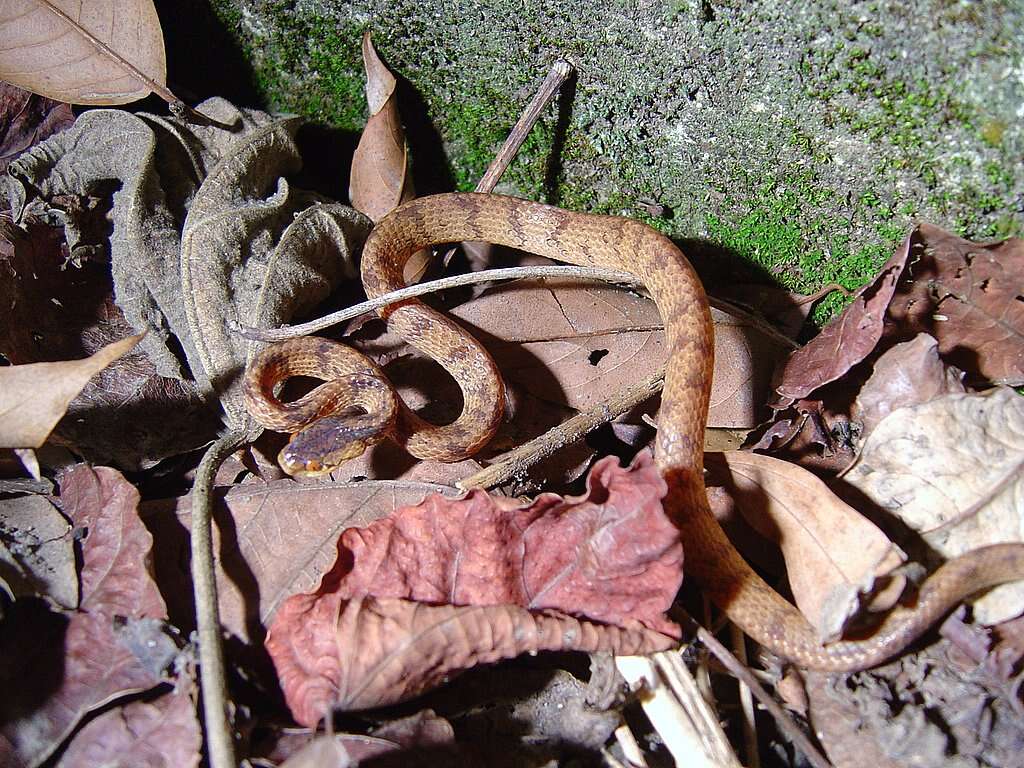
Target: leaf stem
pixel 219 744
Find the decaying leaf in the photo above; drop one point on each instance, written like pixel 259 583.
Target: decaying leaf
pixel 46 48
pixel 968 296
pixel 833 554
pixel 33 397
pixel 573 344
pixel 906 374
pixel 26 119
pixel 59 309
pixel 63 665
pixel 850 337
pixel 206 231
pixel 951 469
pixel 448 584
pixel 273 540
pixel 375 652
pixel 37 554
pixel 161 732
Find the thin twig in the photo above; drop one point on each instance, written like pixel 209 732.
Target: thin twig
pixel 559 73
pixel 516 462
pixel 219 744
pixel 746 701
pixel 742 673
pixel 510 273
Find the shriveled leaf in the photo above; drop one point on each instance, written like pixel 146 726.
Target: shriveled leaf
pixel 849 338
pixel 281 535
pixel 207 233
pixel 162 732
pixel 833 554
pixel 61 666
pixel 953 469
pixel 907 374
pixel 26 119
pixel 37 553
pixel 33 397
pixel 610 555
pixel 809 434
pixel 968 296
pixel 44 52
pixel 573 344
pixel 369 652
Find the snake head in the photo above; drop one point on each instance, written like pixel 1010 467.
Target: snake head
pixel 328 443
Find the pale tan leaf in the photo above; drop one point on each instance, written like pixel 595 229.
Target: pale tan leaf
pixel 34 397
pixel 833 554
pixel 44 52
pixel 953 470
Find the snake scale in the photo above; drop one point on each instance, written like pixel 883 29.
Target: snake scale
pixel 351 407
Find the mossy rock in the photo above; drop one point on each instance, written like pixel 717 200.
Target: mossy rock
pixel 804 138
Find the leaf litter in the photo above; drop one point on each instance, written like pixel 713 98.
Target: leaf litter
pixel 374 593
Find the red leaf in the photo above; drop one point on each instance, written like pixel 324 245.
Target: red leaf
pixel 61 666
pixel 610 555
pixel 849 338
pixel 968 296
pixel 26 119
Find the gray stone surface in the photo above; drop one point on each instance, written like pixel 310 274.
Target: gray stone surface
pixel 805 137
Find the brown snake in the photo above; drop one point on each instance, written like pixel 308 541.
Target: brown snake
pixel 586 240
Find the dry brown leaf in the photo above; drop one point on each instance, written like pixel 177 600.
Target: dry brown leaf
pixel 273 540
pixel 37 553
pixel 380 179
pixel 47 54
pixel 33 397
pixel 906 374
pixel 833 554
pixel 953 470
pixel 968 296
pixel 850 337
pixel 573 344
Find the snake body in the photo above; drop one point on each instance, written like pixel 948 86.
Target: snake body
pixel 614 243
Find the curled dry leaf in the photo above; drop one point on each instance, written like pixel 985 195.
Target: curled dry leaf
pixel 206 231
pixel 833 554
pixel 850 337
pixel 37 554
pixel 33 397
pixel 273 540
pixel 951 469
pixel 447 584
pixel 26 119
pixel 907 374
pixel 379 179
pixel 44 52
pixel 967 295
pixel 70 663
pixel 161 732
pixel 382 651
